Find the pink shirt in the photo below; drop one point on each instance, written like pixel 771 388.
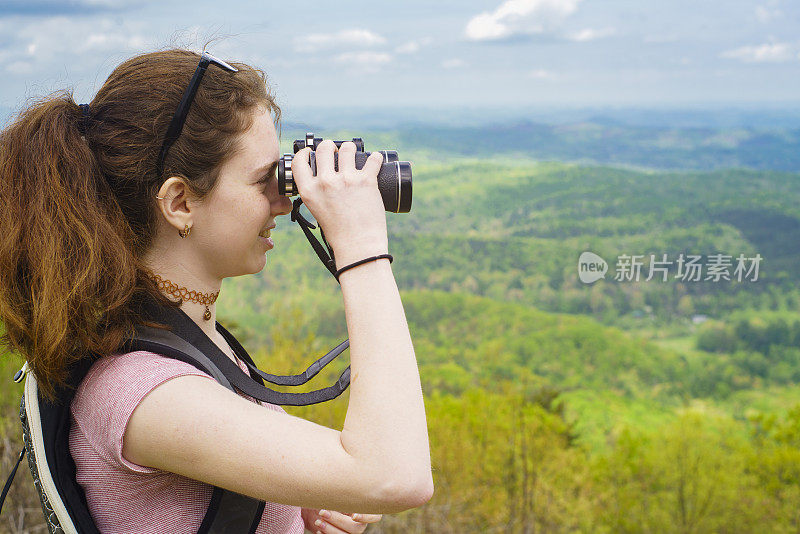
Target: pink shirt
pixel 124 497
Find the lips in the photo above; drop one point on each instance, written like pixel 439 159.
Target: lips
pixel 265 232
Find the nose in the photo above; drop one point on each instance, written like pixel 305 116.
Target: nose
pixel 282 205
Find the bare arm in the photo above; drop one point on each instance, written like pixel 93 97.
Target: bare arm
pixel 385 420
pixel 194 427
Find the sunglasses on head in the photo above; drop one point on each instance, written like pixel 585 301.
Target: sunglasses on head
pixel 176 125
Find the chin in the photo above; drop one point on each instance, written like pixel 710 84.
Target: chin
pixel 252 268
pixel 261 264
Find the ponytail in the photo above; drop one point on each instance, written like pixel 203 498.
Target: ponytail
pixel 66 269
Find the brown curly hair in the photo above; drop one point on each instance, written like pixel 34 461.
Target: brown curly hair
pixel 77 206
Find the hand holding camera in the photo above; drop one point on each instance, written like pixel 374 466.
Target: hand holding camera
pixel 347 191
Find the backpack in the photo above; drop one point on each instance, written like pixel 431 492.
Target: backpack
pixel 46 424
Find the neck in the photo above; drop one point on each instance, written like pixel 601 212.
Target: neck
pixel 196 311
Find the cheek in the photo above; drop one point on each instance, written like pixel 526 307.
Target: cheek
pixel 231 220
pixel 264 204
pixel 249 205
pixel 253 211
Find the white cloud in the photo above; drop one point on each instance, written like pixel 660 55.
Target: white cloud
pixel 519 17
pixel 112 41
pixel 765 53
pixel 541 74
pixel 43 41
pixel 414 46
pixel 590 34
pixel 350 38
pixel 454 63
pixel 765 14
pixel 363 58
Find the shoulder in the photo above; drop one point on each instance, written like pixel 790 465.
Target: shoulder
pixel 138 366
pixel 120 381
pixel 109 394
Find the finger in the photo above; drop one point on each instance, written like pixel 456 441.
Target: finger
pixel 325 152
pixel 323 527
pixel 301 169
pixel 347 157
pixel 373 164
pixel 366 518
pixel 342 521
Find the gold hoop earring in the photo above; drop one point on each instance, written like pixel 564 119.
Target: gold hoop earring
pixel 185 233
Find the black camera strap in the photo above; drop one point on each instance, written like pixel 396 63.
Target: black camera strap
pixel 326 258
pixel 305 376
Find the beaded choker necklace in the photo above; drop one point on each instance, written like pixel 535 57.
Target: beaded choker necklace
pixel 182 293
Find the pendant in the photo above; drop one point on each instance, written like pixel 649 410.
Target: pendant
pixel 207 314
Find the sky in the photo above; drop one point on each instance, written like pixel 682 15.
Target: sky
pixel 422 53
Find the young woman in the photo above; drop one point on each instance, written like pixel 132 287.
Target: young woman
pixel 99 214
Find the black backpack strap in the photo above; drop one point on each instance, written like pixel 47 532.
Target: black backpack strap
pixel 228 512
pixel 213 504
pixel 55 420
pixel 231 513
pixel 10 479
pixel 173 346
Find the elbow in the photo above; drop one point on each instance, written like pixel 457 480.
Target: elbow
pixel 421 493
pixel 410 493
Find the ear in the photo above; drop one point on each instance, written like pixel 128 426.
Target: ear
pixel 176 202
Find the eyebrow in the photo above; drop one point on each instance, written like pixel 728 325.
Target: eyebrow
pixel 269 168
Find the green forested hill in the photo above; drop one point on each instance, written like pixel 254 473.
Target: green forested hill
pixel 494 342
pixel 514 230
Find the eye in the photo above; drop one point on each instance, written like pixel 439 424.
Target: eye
pixel 266 180
pixel 270 174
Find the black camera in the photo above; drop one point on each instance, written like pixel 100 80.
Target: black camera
pixel 394 177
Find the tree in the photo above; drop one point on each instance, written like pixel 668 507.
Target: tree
pixel 686 477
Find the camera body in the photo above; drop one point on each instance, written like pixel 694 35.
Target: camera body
pixel 394 177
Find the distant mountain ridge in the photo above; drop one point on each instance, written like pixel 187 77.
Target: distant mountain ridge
pixel 676 139
pixel 609 143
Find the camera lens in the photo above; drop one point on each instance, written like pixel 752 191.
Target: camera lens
pixel 286 185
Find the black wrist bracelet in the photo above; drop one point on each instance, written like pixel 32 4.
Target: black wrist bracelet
pixel 361 262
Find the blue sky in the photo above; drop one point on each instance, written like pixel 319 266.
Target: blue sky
pixel 425 53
